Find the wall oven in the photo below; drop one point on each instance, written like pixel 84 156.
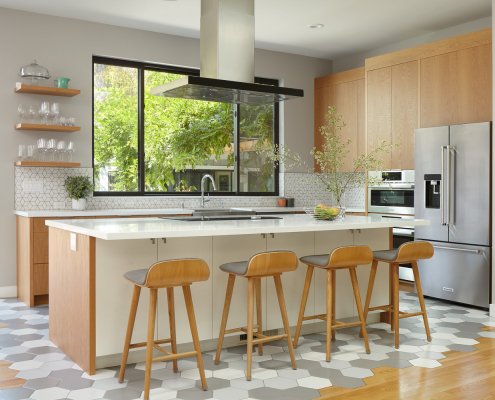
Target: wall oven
pixel 391 192
pixel 393 197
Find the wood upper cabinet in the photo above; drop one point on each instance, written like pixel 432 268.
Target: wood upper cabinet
pixel 345 91
pixel 405 96
pixel 379 110
pixel 393 112
pixel 456 87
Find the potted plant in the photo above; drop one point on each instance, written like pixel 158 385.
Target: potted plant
pixel 78 188
pixel 331 158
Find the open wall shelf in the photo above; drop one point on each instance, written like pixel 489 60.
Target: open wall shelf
pixel 46 90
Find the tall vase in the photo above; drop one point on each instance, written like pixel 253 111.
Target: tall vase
pixel 79 204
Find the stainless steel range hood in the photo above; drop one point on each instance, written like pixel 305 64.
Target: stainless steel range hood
pixel 227 60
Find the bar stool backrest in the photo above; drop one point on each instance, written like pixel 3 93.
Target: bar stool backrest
pixel 417 250
pixel 348 256
pixel 178 272
pixel 271 263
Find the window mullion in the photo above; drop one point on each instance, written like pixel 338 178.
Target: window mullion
pixel 141 164
pixel 237 153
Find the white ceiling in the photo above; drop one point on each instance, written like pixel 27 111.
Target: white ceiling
pixel 351 26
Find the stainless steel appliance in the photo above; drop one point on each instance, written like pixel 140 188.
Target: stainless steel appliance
pixel 453 190
pixel 393 194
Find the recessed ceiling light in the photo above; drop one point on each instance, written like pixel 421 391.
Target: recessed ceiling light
pixel 316 26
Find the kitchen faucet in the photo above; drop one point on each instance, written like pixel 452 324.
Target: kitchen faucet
pixel 203 179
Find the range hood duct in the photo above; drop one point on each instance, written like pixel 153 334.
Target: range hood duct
pixel 227 60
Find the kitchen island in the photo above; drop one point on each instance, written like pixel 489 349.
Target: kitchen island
pixel 89 298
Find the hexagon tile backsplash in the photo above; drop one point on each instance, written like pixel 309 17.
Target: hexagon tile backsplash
pixel 43 189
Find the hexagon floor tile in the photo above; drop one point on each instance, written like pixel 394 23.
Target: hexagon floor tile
pixel 50 375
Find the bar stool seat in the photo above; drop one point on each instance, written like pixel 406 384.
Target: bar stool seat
pixel 407 253
pixel 261 265
pixel 237 268
pixel 164 274
pixel 348 257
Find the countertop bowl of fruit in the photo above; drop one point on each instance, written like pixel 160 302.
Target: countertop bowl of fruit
pixel 328 213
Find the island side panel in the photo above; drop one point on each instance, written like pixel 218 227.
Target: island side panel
pixel 72 296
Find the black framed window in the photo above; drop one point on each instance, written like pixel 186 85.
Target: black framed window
pixel 152 145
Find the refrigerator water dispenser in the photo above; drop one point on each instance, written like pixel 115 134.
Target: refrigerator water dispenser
pixel 432 190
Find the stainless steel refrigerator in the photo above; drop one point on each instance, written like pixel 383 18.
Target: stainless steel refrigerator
pixel 453 191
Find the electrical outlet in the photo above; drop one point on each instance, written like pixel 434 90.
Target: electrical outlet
pixel 59 205
pixel 32 186
pixel 73 241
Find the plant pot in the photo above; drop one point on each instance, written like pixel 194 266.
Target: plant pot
pixel 79 204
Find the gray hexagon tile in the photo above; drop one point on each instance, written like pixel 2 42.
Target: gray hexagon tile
pixel 49 374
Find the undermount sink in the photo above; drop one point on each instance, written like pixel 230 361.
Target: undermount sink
pixel 221 211
pixel 222 218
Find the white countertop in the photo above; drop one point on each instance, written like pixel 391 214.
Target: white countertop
pixel 147 228
pixel 147 211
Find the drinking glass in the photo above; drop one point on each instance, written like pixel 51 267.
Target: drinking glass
pixel 70 150
pixel 42 148
pixel 51 147
pixel 55 112
pixel 32 114
pixel 62 121
pixel 61 149
pixel 44 111
pixel 22 111
pixel 21 152
pixel 71 121
pixel 30 152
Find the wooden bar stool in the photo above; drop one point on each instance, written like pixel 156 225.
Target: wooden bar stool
pixel 259 266
pixel 348 257
pixel 165 274
pixel 407 253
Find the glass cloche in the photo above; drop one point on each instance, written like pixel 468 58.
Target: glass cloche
pixel 34 71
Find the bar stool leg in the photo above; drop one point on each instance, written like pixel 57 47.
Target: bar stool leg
pixel 334 291
pixel 357 297
pixel 395 270
pixel 130 328
pixel 225 316
pixel 285 319
pixel 391 296
pixel 369 292
pixel 250 312
pixel 304 300
pixel 259 313
pixel 194 333
pixel 329 313
pixel 417 280
pixel 171 320
pixel 150 341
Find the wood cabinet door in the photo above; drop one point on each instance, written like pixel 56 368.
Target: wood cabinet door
pixel 404 113
pixel 324 97
pixel 456 88
pixel 302 243
pixel 379 110
pixel 474 84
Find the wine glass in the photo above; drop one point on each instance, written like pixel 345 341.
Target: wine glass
pixel 55 112
pixel 22 111
pixel 70 150
pixel 44 111
pixel 41 145
pixel 61 149
pixel 32 113
pixel 51 147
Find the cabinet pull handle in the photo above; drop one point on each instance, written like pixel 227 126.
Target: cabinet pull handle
pixel 263 235
pixel 164 240
pixel 458 249
pixel 272 235
pixel 153 241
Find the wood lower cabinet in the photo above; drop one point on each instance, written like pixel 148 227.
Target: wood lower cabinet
pixel 32 258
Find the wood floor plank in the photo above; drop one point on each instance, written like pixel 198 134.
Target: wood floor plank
pixel 461 376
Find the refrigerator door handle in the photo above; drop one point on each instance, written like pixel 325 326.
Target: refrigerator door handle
pixel 451 182
pixel 477 251
pixel 443 186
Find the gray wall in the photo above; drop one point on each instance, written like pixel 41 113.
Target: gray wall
pixel 357 60
pixel 65 47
